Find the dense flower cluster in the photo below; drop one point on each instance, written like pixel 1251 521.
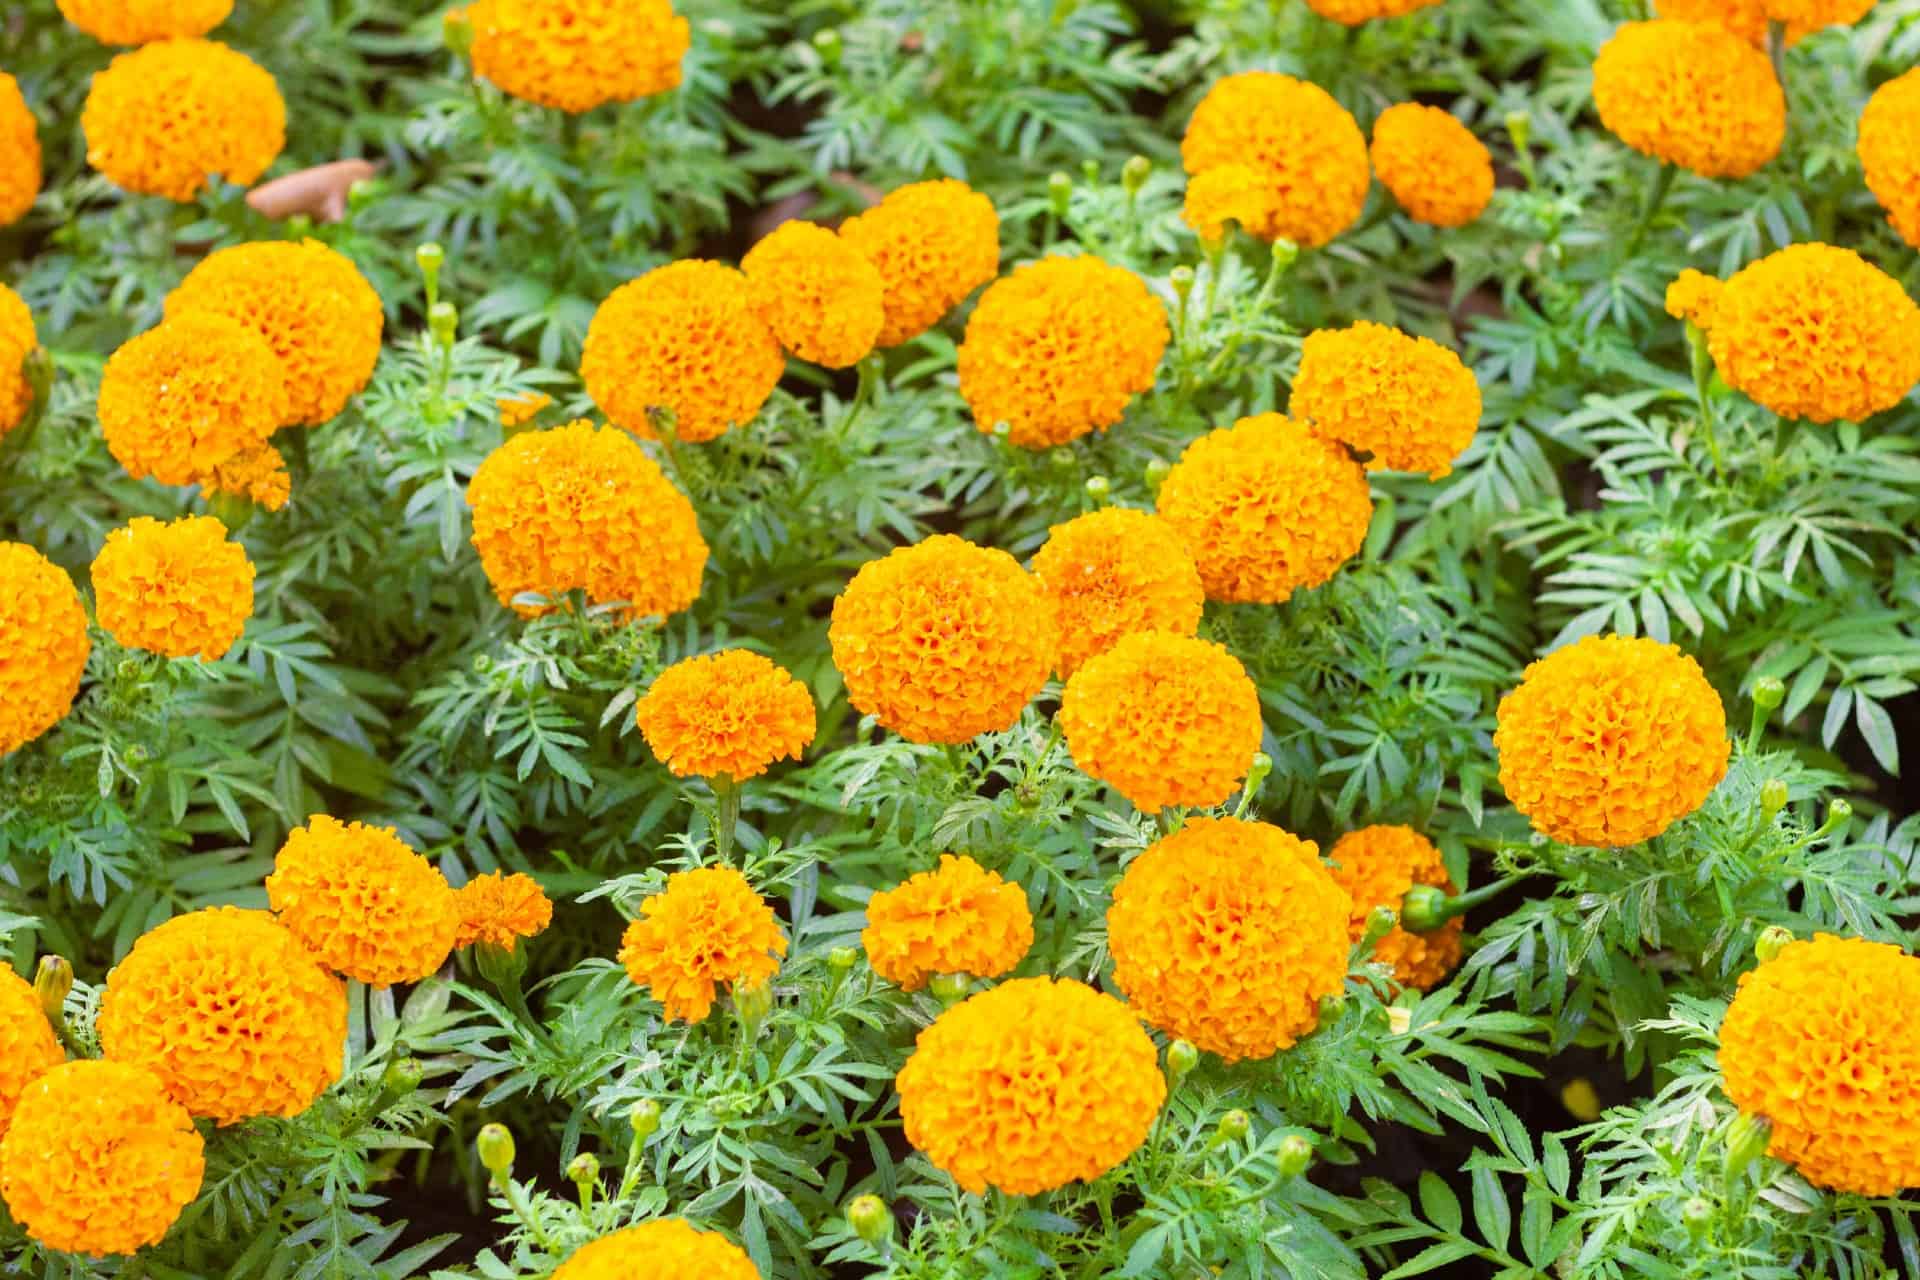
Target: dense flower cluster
pixel 960 918
pixel 158 120
pixel 1692 297
pixel 1354 12
pixel 1228 193
pixel 1305 146
pixel 1436 169
pixel 499 910
pixel 1112 573
pixel 823 300
pixel 18 338
pixel 578 54
pixel 19 156
pixel 1408 402
pixel 1376 866
pixel 706 929
pixel 178 589
pixel 43 633
pixel 28 1048
pixel 144 21
pixel 1691 94
pixel 1888 147
pixel 1031 1085
pixel 363 902
pixel 664 1249
pixel 729 714
pixel 933 244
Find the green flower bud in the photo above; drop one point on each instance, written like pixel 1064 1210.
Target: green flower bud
pixel 482 663
pixel 752 1002
pixel 1157 473
pixel 1233 1126
pixel 495 1145
pixel 1520 129
pixel 1770 942
pixel 1839 814
pixel 584 1170
pixel 1059 192
pixel 1746 1138
pixel 1380 923
pixel 443 321
pixel 841 959
pixel 1134 174
pixel 1773 798
pixel 1697 1214
pixel 364 193
pixel 1091 169
pixel 1285 253
pixel 1002 431
pixel 430 257
pixel 1424 909
pixel 645 1119
pixel 950 988
pixel 138 755
pixel 1182 1058
pixel 402 1076
pixel 827 43
pixel 1295 1154
pixel 870 1219
pixel 52 981
pixel 456 30
pixel 1181 278
pixel 1062 459
pixel 1769 692
pixel 1258 771
pixel 1099 488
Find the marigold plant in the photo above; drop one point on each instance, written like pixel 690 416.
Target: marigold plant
pixel 707 929
pixel 499 910
pixel 1112 573
pixel 822 299
pixel 1888 150
pixel 659 1250
pixel 1409 403
pixel 43 633
pixel 28 1049
pixel 178 589
pixel 363 902
pixel 578 54
pixel 158 120
pixel 144 21
pixel 1228 193
pixel 1690 94
pixel 1305 146
pixel 959 918
pixel 1436 169
pixel 933 244
pixel 726 715
pixel 18 339
pixel 1377 865
pixel 19 154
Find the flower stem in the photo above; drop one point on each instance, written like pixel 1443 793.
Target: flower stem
pixel 1656 196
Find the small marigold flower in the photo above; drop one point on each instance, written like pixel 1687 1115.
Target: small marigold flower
pixel 933 244
pixel 99 1160
pixel 1058 348
pixel 685 339
pixel 960 918
pixel 1376 866
pixel 576 55
pixel 500 910
pixel 821 297
pixel 1409 402
pixel 43 633
pixel 178 588
pixel 18 339
pixel 258 475
pixel 1305 146
pixel 158 120
pixel 1611 740
pixel 943 640
pixel 1824 1041
pixel 1690 94
pixel 1112 573
pixel 706 929
pixel 664 1249
pixel 363 902
pixel 1228 193
pixel 1889 149
pixel 28 1049
pixel 232 1013
pixel 1266 507
pixel 1436 169
pixel 518 411
pixel 144 21
pixel 19 158
pixel 1692 297
pixel 1354 12
pixel 729 714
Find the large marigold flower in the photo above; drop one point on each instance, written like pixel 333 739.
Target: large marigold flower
pixel 960 918
pixel 943 640
pixel 1304 145
pixel 933 244
pixel 18 339
pixel 1266 507
pixel 99 1159
pixel 1409 402
pixel 577 54
pixel 19 159
pixel 1354 12
pixel 1377 866
pixel 43 633
pixel 500 910
pixel 1691 94
pixel 664 1249
pixel 230 1011
pixel 823 300
pixel 1228 193
pixel 1611 740
pixel 178 588
pixel 729 714
pixel 144 21
pixel 1824 1041
pixel 363 902
pixel 1889 152
pixel 1692 296
pixel 1436 169
pixel 28 1049
pixel 706 929
pixel 1112 573
pixel 160 119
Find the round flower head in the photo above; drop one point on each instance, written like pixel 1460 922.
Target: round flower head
pixel 961 918
pixel 1058 348
pixel 1889 150
pixel 585 507
pixel 160 119
pixel 726 715
pixel 706 929
pixel 363 902
pixel 18 339
pixel 177 589
pixel 1031 1085
pixel 1693 296
pixel 1824 1041
pixel 99 1159
pixel 230 1011
pixel 1305 146
pixel 19 157
pixel 943 640
pixel 1436 169
pixel 43 633
pixel 933 244
pixel 663 1249
pixel 1691 94
pixel 500 910
pixel 1266 507
pixel 28 1049
pixel 577 54
pixel 144 21
pixel 822 299
pixel 1377 866
pixel 1354 12
pixel 1408 402
pixel 1112 573
pixel 1611 740
pixel 1228 193
pixel 189 396
pixel 685 339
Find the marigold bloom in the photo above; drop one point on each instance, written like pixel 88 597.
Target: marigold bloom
pixel 706 929
pixel 1692 297
pixel 585 507
pixel 578 54
pixel 1305 146
pixel 518 411
pixel 258 475
pixel 230 1011
pixel 1227 193
pixel 1266 507
pixel 729 714
pixel 500 910
pixel 1889 152
pixel 363 902
pixel 1745 18
pixel 1691 94
pixel 663 1249
pixel 144 21
pixel 943 640
pixel 823 300
pixel 1436 169
pixel 43 633
pixel 1377 866
pixel 1114 572
pixel 99 1160
pixel 18 339
pixel 28 1049
pixel 1824 1041
pixel 158 120
pixel 1611 740
pixel 177 589
pixel 1354 12
pixel 19 159
pixel 960 918
pixel 1058 348
pixel 1409 402
pixel 1813 15
pixel 684 339
pixel 933 244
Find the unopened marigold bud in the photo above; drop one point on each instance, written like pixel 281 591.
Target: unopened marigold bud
pixel 402 1076
pixel 1697 1214
pixel 1233 1126
pixel 1520 129
pixel 1059 192
pixel 645 1118
pixel 1090 168
pixel 456 30
pixel 51 982
pixel 1099 488
pixel 1295 1154
pixel 584 1170
pixel 1157 472
pixel 1380 922
pixel 753 1001
pixel 1285 252
pixel 1771 940
pixel 364 192
pixel 870 1218
pixel 1769 692
pixel 443 321
pixel 1839 814
pixel 1424 908
pixel 1773 798
pixel 950 988
pixel 1182 1058
pixel 1134 174
pixel 1746 1138
pixel 1258 771
pixel 430 257
pixel 1062 459
pixel 841 959
pixel 495 1145
pixel 828 45
pixel 1181 278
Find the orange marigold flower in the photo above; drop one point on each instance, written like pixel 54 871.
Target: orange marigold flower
pixel 1377 866
pixel 1266 507
pixel 1824 1041
pixel 158 120
pixel 1029 1086
pixel 1354 12
pixel 1745 18
pixel 1436 169
pixel 1813 15
pixel 1692 297
pixel 585 507
pixel 43 633
pixel 144 21
pixel 1226 193
pixel 18 340
pixel 1305 146
pixel 363 902
pixel 685 339
pixel 99 1159
pixel 1691 94
pixel 664 1249
pixel 726 715
pixel 258 475
pixel 1409 403
pixel 19 157
pixel 960 918
pixel 1889 152
pixel 231 1012
pixel 1058 348
pixel 28 1049
pixel 705 929
pixel 578 54
pixel 943 640
pixel 821 297
pixel 177 588
pixel 1114 572
pixel 1610 741
pixel 500 910
pixel 518 411
pixel 933 244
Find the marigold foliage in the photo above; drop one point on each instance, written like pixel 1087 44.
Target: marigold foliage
pixel 18 339
pixel 158 120
pixel 178 588
pixel 363 902
pixel 1114 572
pixel 1354 12
pixel 1376 866
pixel 1305 146
pixel 1410 403
pixel 1436 169
pixel 19 160
pixel 960 918
pixel 706 929
pixel 664 1249
pixel 726 715
pixel 144 21
pixel 1692 297
pixel 933 244
pixel 28 1048
pixel 1889 149
pixel 499 910
pixel 195 393
pixel 578 54
pixel 1690 94
pixel 1228 193
pixel 823 300
pixel 43 633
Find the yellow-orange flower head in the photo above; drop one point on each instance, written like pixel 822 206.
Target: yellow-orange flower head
pixel 1813 15
pixel 729 714
pixel 1693 296
pixel 499 910
pixel 518 411
pixel 1409 402
pixel 1266 507
pixel 1889 152
pixel 28 1049
pixel 18 338
pixel 1228 193
pixel 823 300
pixel 43 633
pixel 178 589
pixel 231 1012
pixel 1112 573
pixel 577 54
pixel 363 902
pixel 933 244
pixel 1611 740
pixel 1824 1041
pixel 585 507
pixel 1305 146
pixel 19 156
pixel 258 475
pixel 1376 866
pixel 144 21
pixel 684 339
pixel 1436 169
pixel 1029 1086
pixel 1352 13
pixel 705 930
pixel 1690 94
pixel 960 918
pixel 1745 18
pixel 664 1249
pixel 1058 349
pixel 943 640
pixel 158 120
pixel 99 1159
